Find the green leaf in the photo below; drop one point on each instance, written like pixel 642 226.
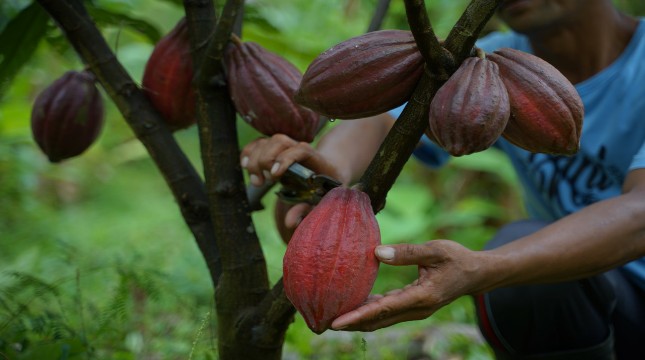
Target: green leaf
pixel 19 40
pixel 109 17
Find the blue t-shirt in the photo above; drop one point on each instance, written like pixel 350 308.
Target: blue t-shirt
pixel 612 140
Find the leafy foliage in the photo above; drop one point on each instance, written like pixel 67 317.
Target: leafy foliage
pixel 96 260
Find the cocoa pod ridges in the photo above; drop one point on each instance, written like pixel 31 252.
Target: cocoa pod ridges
pixel 363 76
pixel 329 267
pixel 546 110
pixel 67 117
pixel 262 85
pixel 470 111
pixel 167 78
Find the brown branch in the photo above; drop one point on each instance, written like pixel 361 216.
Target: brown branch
pixel 271 318
pixel 212 69
pixel 146 123
pixel 201 18
pixel 404 136
pixel 379 15
pixel 244 281
pixel 436 57
pixel 400 142
pixel 464 34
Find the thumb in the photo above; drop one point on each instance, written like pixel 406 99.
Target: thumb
pixel 295 215
pixel 408 254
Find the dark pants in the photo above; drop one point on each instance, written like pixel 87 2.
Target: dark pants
pixel 598 318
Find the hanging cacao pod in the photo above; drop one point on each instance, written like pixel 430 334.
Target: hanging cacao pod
pixel 470 111
pixel 168 76
pixel 329 267
pixel 546 110
pixel 67 117
pixel 363 76
pixel 262 85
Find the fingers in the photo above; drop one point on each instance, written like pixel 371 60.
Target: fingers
pixel 411 254
pixel 295 215
pixel 412 303
pixel 260 158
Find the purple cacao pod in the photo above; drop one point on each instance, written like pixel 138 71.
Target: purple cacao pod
pixel 262 85
pixel 67 116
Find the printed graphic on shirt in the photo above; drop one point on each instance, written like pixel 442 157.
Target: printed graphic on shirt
pixel 571 183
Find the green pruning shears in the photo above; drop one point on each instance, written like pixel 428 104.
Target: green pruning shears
pixel 300 184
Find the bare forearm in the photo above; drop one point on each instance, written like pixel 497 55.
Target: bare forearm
pixel 351 145
pixel 600 237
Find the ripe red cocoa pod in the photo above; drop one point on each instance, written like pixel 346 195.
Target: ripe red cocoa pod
pixel 67 117
pixel 329 267
pixel 363 76
pixel 470 111
pixel 168 76
pixel 546 110
pixel 262 85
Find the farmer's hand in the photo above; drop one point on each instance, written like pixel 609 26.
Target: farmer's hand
pixel 447 270
pixel 267 158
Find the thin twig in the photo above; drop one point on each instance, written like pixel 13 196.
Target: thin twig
pixel 436 57
pixel 379 15
pixel 464 34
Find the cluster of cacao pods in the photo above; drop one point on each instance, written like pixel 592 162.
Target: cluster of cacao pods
pixel 167 78
pixel 363 76
pixel 329 267
pixel 67 117
pixel 508 93
pixel 262 85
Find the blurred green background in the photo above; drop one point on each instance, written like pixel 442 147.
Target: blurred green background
pixel 97 263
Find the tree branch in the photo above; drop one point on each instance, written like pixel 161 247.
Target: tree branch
pixel 436 57
pixel 270 320
pixel 145 121
pixel 399 143
pixel 408 129
pixel 244 282
pixel 201 18
pixel 379 15
pixel 464 34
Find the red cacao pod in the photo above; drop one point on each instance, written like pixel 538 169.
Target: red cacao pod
pixel 329 267
pixel 262 85
pixel 67 117
pixel 470 111
pixel 168 76
pixel 363 76
pixel 546 110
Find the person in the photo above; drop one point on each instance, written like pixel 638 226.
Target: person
pixel 567 283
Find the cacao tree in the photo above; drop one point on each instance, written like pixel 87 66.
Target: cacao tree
pixel 252 314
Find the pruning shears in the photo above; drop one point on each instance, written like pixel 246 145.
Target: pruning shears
pixel 300 184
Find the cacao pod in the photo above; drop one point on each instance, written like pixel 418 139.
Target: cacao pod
pixel 67 117
pixel 363 76
pixel 168 76
pixel 262 85
pixel 329 267
pixel 470 111
pixel 546 110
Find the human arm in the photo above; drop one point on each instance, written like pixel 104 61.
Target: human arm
pixel 602 236
pixel 343 153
